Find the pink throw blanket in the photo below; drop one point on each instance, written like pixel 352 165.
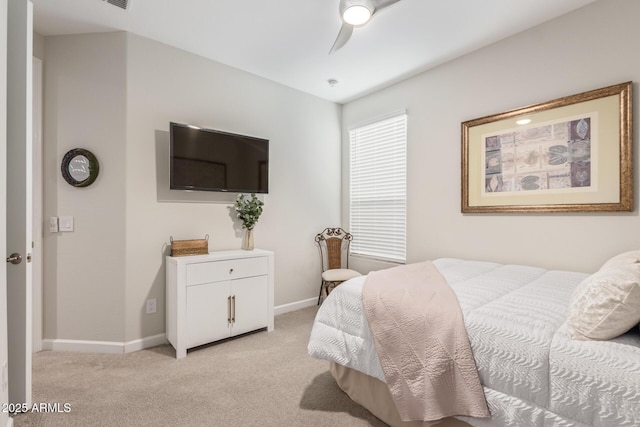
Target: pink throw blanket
pixel 422 343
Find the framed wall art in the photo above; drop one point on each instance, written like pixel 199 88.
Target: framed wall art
pixel 572 154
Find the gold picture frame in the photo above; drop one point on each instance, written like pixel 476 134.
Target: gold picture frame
pixel 572 154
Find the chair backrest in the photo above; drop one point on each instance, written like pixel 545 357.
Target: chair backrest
pixel 334 248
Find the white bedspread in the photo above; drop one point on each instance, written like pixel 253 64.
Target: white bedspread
pixel 532 372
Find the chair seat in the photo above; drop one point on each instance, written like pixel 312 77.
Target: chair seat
pixel 339 275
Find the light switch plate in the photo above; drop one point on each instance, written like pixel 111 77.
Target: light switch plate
pixel 53 224
pixel 66 223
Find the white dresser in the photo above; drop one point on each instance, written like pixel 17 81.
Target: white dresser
pixel 217 296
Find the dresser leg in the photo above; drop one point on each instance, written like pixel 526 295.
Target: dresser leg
pixel 181 352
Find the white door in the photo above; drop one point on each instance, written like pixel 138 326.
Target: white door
pixel 19 189
pixel 4 393
pixel 37 220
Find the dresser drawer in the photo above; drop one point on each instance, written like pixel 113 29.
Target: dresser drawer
pixel 207 272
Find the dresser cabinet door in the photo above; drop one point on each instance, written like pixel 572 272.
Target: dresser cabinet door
pixel 250 296
pixel 207 313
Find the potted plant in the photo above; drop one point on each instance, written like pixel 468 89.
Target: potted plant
pixel 249 211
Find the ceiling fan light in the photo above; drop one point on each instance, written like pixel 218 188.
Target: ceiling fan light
pixel 356 14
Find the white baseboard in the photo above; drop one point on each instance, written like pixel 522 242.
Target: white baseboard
pixel 146 342
pixel 293 306
pixel 109 347
pixel 82 346
pixel 113 347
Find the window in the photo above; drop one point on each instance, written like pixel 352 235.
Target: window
pixel 378 188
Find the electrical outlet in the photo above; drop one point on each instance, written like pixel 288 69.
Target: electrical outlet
pixel 151 305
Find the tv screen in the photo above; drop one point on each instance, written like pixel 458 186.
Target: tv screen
pixel 211 160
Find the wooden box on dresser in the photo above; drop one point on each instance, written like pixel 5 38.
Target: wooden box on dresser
pixel 216 296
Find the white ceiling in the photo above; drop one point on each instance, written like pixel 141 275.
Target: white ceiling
pixel 288 41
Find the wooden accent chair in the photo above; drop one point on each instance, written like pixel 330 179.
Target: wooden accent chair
pixel 334 252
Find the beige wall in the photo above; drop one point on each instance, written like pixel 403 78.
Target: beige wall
pixel 115 94
pixel 590 48
pixel 85 107
pixel 166 84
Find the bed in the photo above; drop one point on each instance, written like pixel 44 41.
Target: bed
pixel 532 334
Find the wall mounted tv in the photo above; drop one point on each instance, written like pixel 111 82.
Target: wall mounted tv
pixel 212 160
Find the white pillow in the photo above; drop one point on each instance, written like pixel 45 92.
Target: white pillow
pixel 631 257
pixel 606 304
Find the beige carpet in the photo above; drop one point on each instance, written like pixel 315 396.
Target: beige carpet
pixel 261 379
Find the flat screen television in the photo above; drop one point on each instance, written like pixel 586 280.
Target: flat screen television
pixel 212 160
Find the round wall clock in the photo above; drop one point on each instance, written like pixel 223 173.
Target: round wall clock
pixel 80 167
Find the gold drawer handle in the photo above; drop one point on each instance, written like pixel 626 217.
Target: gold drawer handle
pixel 233 316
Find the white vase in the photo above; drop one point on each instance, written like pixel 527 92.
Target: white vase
pixel 247 242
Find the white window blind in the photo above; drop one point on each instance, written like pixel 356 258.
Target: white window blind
pixel 378 189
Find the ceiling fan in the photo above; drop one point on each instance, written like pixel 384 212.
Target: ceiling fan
pixel 355 13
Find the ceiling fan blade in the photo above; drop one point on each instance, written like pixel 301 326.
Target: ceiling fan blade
pixel 381 4
pixel 343 37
